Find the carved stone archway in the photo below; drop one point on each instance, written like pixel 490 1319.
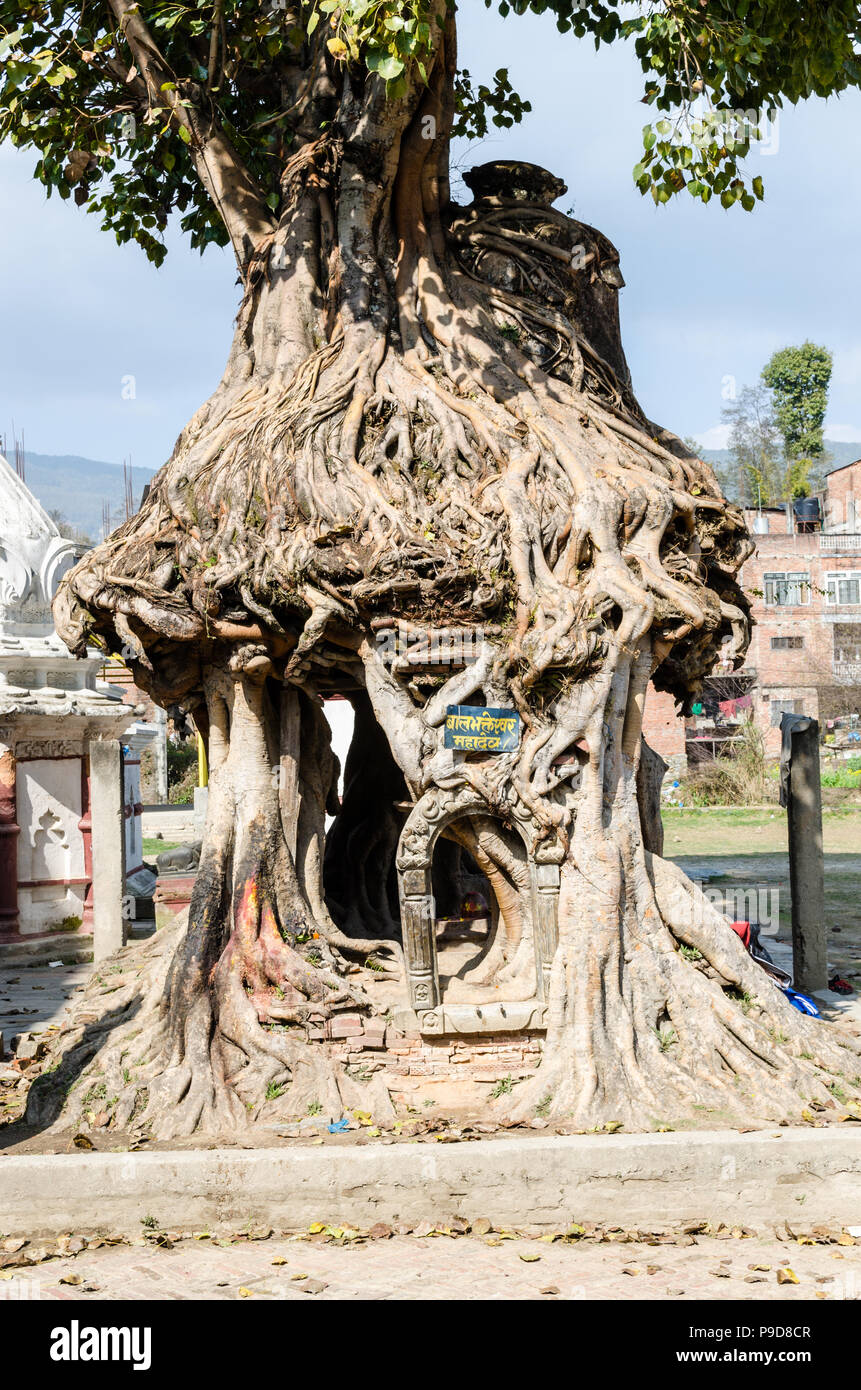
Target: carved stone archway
pixel 429 817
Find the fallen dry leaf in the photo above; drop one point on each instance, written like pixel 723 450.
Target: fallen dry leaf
pixel 380 1231
pixel 787 1276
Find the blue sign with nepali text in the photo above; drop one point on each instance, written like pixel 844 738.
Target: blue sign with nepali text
pixel 477 729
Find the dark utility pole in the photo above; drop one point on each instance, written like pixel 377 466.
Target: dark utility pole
pixel 801 794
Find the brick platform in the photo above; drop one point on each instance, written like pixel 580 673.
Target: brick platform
pixel 489 1057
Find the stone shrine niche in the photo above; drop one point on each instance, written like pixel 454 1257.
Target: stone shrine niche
pixel 51 710
pixel 459 1006
pixel 49 809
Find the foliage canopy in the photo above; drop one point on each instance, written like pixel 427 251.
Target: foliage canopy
pixel 799 378
pixel 122 138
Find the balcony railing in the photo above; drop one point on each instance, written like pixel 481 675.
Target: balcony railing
pixel 848 670
pixel 838 540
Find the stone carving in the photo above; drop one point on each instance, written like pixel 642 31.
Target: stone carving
pixel 185 859
pixel 33 554
pixel 14 577
pixel 516 1017
pixel 436 809
pixel 48 748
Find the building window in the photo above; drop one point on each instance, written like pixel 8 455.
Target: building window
pixel 847 642
pixel 779 707
pixel 843 587
pixel 786 644
pixel 786 590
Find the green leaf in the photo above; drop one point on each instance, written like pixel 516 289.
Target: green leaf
pixel 10 40
pixel 60 75
pixel 386 64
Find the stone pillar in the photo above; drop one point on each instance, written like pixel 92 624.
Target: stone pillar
pixel 201 791
pixel 546 879
pixel 108 817
pixel 9 832
pixel 801 793
pixel 418 926
pixel 160 748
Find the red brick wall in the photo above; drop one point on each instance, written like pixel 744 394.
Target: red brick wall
pixel 663 729
pixel 800 675
pixel 786 674
pixel 843 498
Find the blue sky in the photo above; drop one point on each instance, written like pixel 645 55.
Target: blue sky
pixel 710 293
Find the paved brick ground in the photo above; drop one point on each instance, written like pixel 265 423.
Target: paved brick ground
pixel 32 999
pixel 467 1267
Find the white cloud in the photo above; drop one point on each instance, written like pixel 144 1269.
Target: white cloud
pixel 715 438
pixel 843 434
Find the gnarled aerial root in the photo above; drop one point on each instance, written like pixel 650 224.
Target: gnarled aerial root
pixel 688 1024
pixel 207 1028
pixel 427 424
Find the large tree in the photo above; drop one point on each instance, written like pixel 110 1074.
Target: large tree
pixel 426 421
pixel 799 378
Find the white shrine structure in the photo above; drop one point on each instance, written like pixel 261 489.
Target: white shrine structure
pixel 71 850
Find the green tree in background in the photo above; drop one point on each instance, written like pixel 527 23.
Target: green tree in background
pixel 798 378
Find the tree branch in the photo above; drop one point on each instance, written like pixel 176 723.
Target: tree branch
pixel 234 192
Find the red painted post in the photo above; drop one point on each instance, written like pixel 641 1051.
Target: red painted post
pixel 9 832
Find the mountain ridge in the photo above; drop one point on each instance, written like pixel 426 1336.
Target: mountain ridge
pixel 76 487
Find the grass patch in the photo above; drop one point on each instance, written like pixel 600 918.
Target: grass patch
pixel 152 848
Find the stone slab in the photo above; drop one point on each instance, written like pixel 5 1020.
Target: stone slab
pixel 803 1176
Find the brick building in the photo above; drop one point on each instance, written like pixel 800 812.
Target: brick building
pixel 804 583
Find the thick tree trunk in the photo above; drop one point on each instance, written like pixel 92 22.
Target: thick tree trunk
pixel 426 423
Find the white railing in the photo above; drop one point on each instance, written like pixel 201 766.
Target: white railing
pixel 848 670
pixel 838 540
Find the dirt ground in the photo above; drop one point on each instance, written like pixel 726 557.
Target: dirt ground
pixel 744 850
pixel 444 1263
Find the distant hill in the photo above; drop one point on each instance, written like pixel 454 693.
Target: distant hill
pixel 838 455
pixel 77 487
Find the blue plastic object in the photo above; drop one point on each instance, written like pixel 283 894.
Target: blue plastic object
pixel 339 1126
pixel 801 1002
